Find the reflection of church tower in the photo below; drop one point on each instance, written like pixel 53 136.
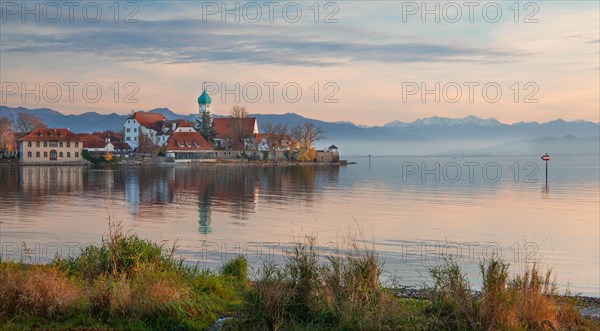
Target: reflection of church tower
pixel 204 102
pixel 204 211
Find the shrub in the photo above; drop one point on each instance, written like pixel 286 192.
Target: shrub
pixel 266 306
pixel 236 268
pixel 452 300
pixel 355 295
pixel 118 253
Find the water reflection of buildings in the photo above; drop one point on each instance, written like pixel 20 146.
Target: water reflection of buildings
pixel 55 179
pixel 234 190
pixel 37 186
pixel 231 189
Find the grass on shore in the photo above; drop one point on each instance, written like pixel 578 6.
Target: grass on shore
pixel 125 283
pixel 132 284
pixel 345 293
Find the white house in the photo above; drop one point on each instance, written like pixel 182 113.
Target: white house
pixel 154 125
pixel 142 122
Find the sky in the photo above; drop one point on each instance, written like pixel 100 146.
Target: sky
pixel 365 62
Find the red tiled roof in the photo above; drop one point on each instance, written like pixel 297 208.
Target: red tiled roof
pixel 149 120
pixel 50 134
pixel 188 141
pixel 121 146
pixel 94 144
pixel 113 136
pixel 225 127
pixel 184 124
pixel 91 141
pixel 87 137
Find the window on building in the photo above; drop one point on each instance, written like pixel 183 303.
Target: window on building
pixel 134 129
pixel 68 154
pixel 135 138
pixel 28 154
pixel 37 154
pixel 45 154
pixel 76 144
pixel 76 154
pixel 128 138
pixel 60 144
pixel 68 144
pixel 53 144
pixel 29 144
pixel 37 144
pixel 60 154
pixel 128 130
pixel 45 144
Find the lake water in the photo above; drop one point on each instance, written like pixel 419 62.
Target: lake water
pixel 413 211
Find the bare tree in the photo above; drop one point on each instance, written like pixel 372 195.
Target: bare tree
pixel 306 134
pixel 239 112
pixel 28 122
pixel 240 131
pixel 146 145
pixel 275 137
pixel 7 135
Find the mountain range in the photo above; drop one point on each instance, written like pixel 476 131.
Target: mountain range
pixel 432 135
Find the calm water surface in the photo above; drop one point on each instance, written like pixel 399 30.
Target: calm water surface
pixel 414 211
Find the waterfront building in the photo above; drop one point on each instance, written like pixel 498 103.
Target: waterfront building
pixel 44 145
pixel 185 143
pixel 154 125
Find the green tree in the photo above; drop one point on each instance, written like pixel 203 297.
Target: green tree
pixel 205 126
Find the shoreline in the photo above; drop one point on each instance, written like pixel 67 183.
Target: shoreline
pixel 128 282
pixel 589 306
pixel 136 163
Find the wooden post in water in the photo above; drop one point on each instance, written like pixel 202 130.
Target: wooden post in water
pixel 546 158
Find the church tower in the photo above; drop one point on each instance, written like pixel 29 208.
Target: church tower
pixel 204 102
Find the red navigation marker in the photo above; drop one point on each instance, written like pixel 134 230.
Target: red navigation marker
pixel 546 157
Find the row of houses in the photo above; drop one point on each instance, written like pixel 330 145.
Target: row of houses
pixel 177 138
